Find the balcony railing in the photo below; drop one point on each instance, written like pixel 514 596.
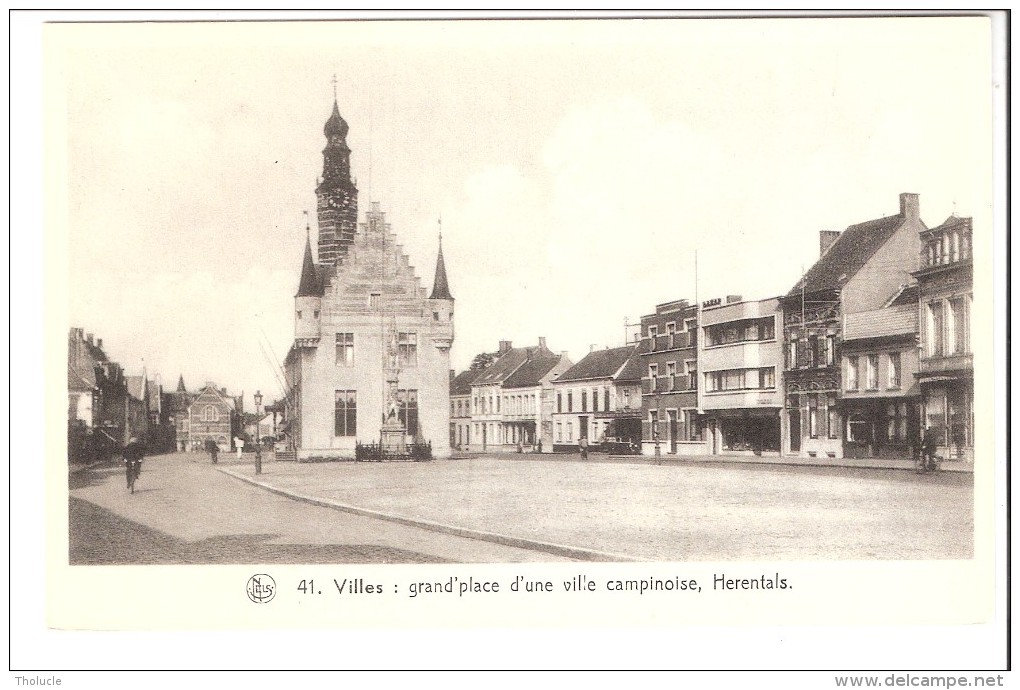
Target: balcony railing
pixel 673 341
pixel 669 384
pixel 947 363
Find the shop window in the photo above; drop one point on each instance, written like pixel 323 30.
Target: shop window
pixel 896 422
pixel 857 429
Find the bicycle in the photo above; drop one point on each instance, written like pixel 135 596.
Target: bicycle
pixel 134 470
pixel 927 463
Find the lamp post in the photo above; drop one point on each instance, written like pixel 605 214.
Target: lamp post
pixel 258 438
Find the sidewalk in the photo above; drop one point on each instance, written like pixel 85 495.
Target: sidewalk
pixel 665 459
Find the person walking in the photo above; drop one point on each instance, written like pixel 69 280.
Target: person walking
pixel 133 453
pixel 213 448
pixel 583 445
pixel 929 444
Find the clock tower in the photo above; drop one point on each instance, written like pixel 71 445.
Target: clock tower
pixel 337 193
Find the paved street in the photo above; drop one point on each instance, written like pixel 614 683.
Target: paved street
pixel 671 512
pixel 184 511
pixel 187 511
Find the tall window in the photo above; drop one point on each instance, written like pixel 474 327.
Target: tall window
pixel 830 350
pixel 570 401
pixel 671 374
pixel 872 371
pixel 345 413
pixel 407 349
pixel 210 414
pixel 584 400
pixel 833 415
pixel 768 377
pixel 594 399
pixel 345 349
pixel 791 355
pixel 852 373
pixel 559 432
pixel 691 369
pixel 373 301
pixel 813 415
pixel 559 402
pixel 671 328
pixel 936 328
pixel 960 318
pixel 408 411
pixel 653 374
pixel 653 418
pixel 894 370
pixel 605 400
pixel 570 431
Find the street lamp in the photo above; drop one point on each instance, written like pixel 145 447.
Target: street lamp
pixel 258 438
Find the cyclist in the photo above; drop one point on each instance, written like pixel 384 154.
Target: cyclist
pixel 133 453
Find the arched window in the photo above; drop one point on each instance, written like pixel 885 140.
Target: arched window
pixel 210 414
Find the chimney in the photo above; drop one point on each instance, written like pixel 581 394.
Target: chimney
pixel 909 206
pixel 99 343
pixel 88 338
pixel 541 343
pixel 825 240
pixel 223 391
pixel 505 346
pixel 452 375
pixel 591 348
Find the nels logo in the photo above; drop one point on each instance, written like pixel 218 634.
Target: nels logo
pixel 261 588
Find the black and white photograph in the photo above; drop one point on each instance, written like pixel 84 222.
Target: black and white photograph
pixel 674 307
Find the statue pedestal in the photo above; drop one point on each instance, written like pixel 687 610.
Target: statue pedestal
pixel 393 440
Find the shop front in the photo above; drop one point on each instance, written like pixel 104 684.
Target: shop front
pixel 880 428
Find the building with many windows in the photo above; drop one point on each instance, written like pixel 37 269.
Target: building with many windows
pixel 878 390
pixel 859 268
pixel 460 408
pixel 506 397
pixel 946 368
pixel 669 380
pixel 599 399
pixel 371 353
pixel 741 362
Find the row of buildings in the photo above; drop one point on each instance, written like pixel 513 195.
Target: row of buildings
pixel 106 407
pixel 868 349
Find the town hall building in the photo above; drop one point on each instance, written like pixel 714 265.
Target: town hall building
pixel 371 354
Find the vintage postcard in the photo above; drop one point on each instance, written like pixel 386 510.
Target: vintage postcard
pixel 628 322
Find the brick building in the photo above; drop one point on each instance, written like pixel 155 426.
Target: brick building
pixel 213 416
pixel 859 268
pixel 669 383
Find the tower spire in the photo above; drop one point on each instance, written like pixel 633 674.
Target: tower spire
pixel 309 285
pixel 441 286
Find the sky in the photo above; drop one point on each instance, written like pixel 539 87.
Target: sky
pixel 577 166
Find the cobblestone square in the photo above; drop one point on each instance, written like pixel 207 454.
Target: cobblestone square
pixel 632 510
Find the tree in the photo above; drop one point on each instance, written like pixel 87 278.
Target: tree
pixel 483 360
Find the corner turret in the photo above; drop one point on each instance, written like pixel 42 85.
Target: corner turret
pixel 308 300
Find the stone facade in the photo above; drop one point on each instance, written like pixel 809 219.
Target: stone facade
pixel 371 353
pixel 741 361
pixel 946 368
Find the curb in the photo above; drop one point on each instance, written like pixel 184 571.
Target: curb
pixel 574 552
